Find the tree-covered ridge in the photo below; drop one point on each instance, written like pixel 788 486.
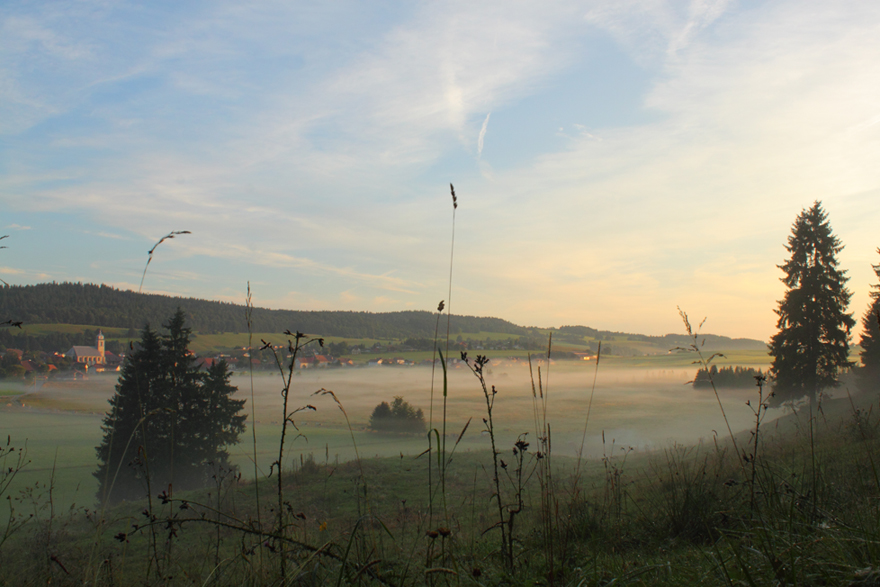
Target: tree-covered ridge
pixel 108 307
pixel 670 341
pixel 78 303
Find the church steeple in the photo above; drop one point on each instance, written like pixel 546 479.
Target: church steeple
pixel 100 345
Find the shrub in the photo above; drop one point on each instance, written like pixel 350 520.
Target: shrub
pixel 400 416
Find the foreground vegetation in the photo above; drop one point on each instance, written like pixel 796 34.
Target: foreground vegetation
pixel 801 509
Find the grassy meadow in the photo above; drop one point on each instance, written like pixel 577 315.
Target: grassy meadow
pixel 640 402
pixel 660 497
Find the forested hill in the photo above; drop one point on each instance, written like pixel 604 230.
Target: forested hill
pixel 709 342
pixel 101 305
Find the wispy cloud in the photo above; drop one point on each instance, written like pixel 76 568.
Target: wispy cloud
pixel 25 274
pixel 103 234
pixel 323 163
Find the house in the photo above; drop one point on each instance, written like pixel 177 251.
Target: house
pixel 305 362
pixel 205 363
pixel 323 360
pixel 112 362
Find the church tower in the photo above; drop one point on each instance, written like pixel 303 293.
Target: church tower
pixel 101 347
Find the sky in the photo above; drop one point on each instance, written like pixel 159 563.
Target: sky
pixel 613 161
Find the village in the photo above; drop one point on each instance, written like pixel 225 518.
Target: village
pixel 81 361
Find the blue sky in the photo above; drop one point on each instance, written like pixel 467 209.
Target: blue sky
pixel 613 160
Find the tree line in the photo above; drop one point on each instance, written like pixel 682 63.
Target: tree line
pixel 726 377
pixel 54 341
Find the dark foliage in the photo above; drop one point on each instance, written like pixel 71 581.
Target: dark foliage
pixel 53 341
pixel 168 423
pixel 869 373
pixel 400 417
pixel 726 377
pixel 77 303
pixel 812 344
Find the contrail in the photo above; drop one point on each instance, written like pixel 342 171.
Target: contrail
pixel 482 135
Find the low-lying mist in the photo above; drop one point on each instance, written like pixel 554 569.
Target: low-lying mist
pixel 643 408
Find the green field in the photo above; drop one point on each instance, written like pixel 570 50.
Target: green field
pixel 657 501
pixel 641 402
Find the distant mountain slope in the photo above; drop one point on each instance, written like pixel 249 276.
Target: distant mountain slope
pixel 77 303
pixel 101 305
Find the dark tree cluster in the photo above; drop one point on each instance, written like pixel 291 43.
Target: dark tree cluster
pixel 168 423
pixel 726 377
pixel 869 373
pixel 812 345
pixel 399 417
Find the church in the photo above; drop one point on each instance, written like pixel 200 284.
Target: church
pixel 94 355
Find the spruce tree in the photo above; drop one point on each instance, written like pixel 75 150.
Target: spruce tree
pixel 812 344
pixel 129 434
pixel 168 423
pixel 869 374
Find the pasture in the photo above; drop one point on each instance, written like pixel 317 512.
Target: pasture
pixel 638 402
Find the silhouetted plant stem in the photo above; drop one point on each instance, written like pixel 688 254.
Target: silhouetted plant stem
pixel 294 347
pixel 705 363
pixel 249 311
pixel 440 307
pixel 168 236
pixel 587 418
pixel 760 412
pixel 477 369
pixel 445 380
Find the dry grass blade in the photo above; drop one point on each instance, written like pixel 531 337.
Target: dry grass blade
pixel 3 247
pixel 589 409
pixel 170 235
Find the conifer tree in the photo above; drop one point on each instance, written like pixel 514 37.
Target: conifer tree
pixel 128 430
pixel 168 423
pixel 869 374
pixel 812 344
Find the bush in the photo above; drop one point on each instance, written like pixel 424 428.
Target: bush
pixel 397 417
